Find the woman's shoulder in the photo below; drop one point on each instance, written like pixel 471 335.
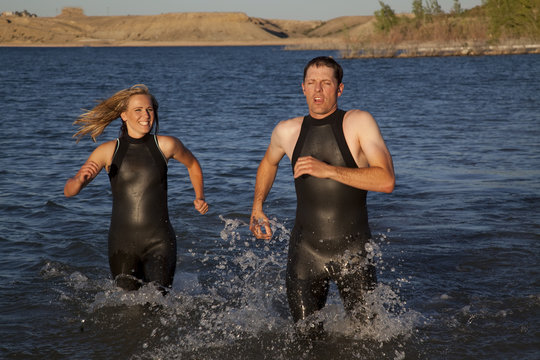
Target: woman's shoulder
pixel 103 154
pixel 169 145
pixel 167 140
pixel 107 146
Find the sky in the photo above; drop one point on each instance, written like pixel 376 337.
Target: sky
pixel 268 9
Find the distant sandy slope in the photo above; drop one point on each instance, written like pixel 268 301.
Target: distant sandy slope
pixel 73 28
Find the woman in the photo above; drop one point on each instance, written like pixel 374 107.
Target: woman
pixel 142 242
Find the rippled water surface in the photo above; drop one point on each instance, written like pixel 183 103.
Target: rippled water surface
pixel 456 243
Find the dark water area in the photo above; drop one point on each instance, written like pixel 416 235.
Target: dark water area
pixel 456 243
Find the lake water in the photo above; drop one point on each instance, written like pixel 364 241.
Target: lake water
pixel 457 242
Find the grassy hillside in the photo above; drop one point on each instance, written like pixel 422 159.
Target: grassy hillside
pixel 497 27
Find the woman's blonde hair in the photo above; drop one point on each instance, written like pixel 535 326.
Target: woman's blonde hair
pixel 93 122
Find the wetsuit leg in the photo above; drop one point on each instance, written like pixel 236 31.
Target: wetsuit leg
pixel 126 270
pixel 353 284
pixel 159 258
pixel 159 268
pixel 306 296
pixel 307 280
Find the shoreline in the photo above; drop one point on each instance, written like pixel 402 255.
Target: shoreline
pixel 179 43
pixel 440 51
pixel 347 51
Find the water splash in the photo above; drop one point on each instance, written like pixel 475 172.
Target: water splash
pixel 237 305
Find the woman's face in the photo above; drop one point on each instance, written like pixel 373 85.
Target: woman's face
pixel 139 116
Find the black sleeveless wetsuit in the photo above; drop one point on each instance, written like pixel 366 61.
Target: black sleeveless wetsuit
pixel 142 242
pixel 331 227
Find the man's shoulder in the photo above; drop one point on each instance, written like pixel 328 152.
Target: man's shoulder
pixel 291 122
pixel 357 114
pixel 286 126
pixel 285 135
pixel 358 118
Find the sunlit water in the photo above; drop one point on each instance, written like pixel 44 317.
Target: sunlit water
pixel 456 244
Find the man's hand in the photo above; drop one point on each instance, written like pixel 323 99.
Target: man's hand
pixel 201 206
pixel 258 223
pixel 308 165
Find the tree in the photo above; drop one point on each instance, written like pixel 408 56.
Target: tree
pixel 514 17
pixel 418 10
pixel 433 7
pixel 456 9
pixel 385 18
pixel 425 13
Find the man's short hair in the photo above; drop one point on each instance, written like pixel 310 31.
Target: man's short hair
pixel 326 61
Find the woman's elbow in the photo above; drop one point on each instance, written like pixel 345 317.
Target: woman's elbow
pixel 70 190
pixel 68 193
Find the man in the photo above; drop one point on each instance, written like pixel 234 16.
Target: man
pixel 337 157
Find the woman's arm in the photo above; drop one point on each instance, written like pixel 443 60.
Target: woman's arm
pixel 100 158
pixel 173 148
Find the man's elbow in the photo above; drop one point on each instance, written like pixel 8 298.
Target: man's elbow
pixel 388 185
pixel 388 189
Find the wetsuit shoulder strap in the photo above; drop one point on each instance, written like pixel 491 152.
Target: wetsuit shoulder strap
pixel 337 127
pixel 153 146
pixel 118 156
pixel 156 142
pixel 117 147
pixel 301 138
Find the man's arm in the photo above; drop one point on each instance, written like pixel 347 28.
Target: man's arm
pixel 266 174
pixel 377 176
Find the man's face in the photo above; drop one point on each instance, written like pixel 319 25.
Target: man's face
pixel 321 90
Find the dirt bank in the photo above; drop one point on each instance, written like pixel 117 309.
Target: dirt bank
pixel 353 36
pixel 73 28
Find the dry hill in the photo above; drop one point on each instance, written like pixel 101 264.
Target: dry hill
pixel 73 28
pixel 355 36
